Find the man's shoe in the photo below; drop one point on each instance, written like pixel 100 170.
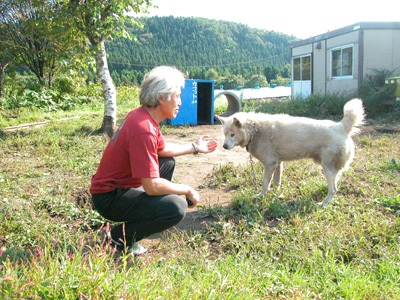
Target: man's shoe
pixel 136 249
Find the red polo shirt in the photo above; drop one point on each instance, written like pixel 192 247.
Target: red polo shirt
pixel 130 155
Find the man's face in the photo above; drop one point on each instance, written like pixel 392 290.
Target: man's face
pixel 170 108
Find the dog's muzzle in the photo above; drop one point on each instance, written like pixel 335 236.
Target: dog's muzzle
pixel 228 146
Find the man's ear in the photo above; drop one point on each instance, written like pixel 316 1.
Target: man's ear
pixel 161 98
pixel 237 122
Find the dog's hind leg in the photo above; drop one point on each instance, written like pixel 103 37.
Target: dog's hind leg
pixel 278 175
pixel 332 176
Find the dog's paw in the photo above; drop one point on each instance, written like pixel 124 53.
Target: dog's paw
pixel 322 204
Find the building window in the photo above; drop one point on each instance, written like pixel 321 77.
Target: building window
pixel 302 68
pixel 342 62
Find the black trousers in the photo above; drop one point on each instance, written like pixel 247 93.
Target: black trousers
pixel 141 215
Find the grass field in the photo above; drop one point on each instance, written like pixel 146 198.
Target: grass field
pixel 280 247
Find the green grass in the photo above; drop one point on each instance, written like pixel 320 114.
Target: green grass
pixel 220 105
pixel 278 247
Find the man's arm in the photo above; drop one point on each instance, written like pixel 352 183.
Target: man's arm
pixel 172 150
pixel 161 186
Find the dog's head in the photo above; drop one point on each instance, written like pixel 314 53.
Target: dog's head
pixel 234 131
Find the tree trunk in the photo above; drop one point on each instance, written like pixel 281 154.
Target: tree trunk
pixel 109 92
pixel 2 68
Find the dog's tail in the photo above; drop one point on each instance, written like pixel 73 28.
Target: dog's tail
pixel 353 116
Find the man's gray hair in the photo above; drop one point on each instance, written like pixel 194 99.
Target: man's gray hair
pixel 160 81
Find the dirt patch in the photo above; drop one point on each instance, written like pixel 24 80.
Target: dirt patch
pixel 194 169
pixel 83 198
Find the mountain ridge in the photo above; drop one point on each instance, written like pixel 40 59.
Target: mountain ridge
pixel 196 45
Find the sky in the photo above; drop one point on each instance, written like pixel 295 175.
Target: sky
pixel 300 18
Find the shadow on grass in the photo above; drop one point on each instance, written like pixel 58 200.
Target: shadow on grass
pixel 87 131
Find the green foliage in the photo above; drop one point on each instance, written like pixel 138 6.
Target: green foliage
pixel 376 94
pixel 70 83
pixel 281 81
pixel 46 100
pixel 211 74
pixel 35 36
pixel 257 79
pixel 68 92
pixel 16 83
pixel 127 98
pixel 271 72
pixel 220 105
pixel 231 82
pixel 98 21
pixel 198 46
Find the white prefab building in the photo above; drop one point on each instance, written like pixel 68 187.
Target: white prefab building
pixel 337 61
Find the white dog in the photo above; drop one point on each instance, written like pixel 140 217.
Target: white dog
pixel 273 139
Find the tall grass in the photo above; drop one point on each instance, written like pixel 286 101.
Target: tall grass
pixel 282 246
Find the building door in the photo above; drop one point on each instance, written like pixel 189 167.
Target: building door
pixel 301 76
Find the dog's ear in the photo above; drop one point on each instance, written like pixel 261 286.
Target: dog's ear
pixel 237 122
pixel 221 119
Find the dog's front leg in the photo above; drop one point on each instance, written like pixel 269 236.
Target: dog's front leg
pixel 268 171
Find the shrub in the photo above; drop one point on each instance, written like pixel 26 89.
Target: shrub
pixel 281 81
pixel 257 79
pixel 23 92
pixel 375 93
pixel 127 97
pixel 231 81
pixel 70 83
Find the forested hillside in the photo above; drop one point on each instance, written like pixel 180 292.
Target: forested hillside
pixel 200 47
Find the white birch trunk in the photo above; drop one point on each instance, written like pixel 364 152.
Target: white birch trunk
pixel 109 92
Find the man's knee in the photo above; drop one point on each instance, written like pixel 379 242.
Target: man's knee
pixel 177 207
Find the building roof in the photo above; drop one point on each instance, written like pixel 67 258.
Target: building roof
pixel 347 29
pixel 259 93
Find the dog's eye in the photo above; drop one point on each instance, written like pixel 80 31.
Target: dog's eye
pixel 232 134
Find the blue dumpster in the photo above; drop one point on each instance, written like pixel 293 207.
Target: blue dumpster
pixel 197 103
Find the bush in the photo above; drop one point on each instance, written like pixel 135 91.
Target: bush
pixel 231 81
pixel 257 79
pixel 128 97
pixel 23 92
pixel 375 93
pixel 70 83
pixel 281 81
